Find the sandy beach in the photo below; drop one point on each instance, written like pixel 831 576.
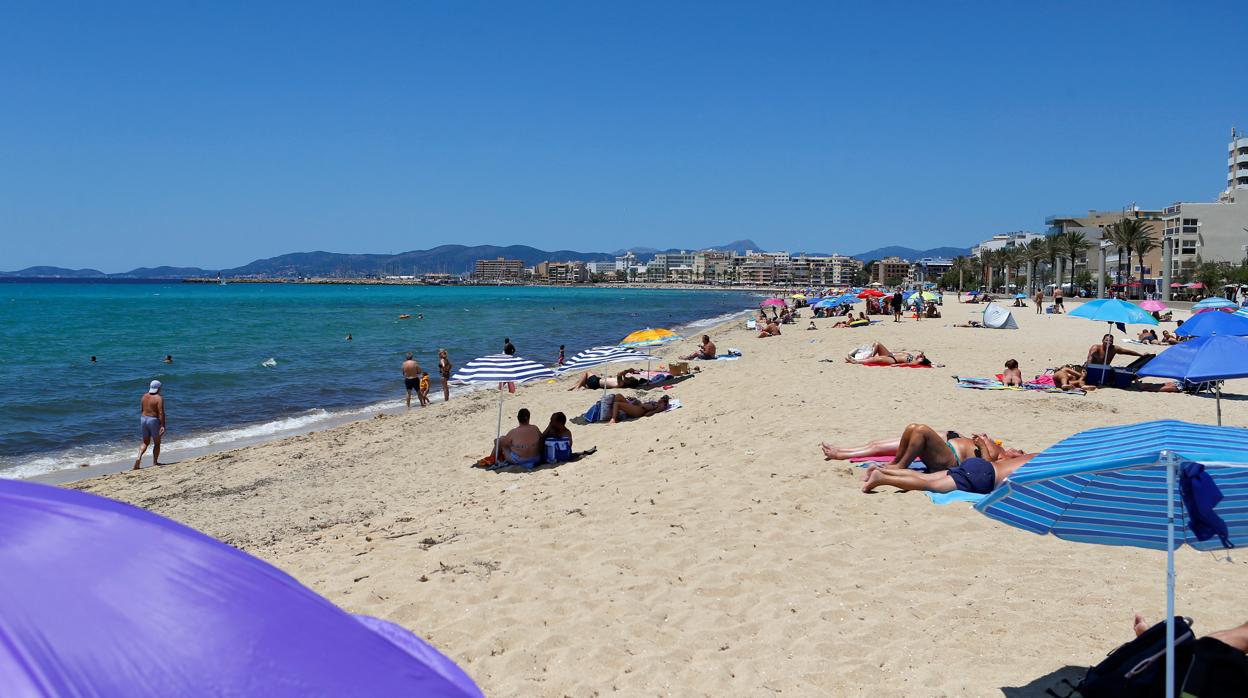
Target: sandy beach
pixel 711 550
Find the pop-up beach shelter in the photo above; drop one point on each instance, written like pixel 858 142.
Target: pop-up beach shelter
pixel 1155 485
pixel 999 318
pixel 101 598
pixel 501 369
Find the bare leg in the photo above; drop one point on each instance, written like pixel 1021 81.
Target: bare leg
pixel 142 450
pixel 908 481
pixel 921 441
pixel 156 451
pixel 1235 637
pixel 446 390
pixel 580 383
pixel 879 447
pixel 409 397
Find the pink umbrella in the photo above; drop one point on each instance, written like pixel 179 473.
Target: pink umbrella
pixel 1153 306
pixel 773 302
pixel 1176 285
pixel 1196 284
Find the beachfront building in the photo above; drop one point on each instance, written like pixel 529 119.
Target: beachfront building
pixel 626 260
pixel 930 269
pixel 1093 226
pixel 890 271
pixel 570 272
pixel 1003 241
pixel 712 265
pixel 499 269
pixel 663 265
pixel 756 269
pixel 820 270
pixel 1211 232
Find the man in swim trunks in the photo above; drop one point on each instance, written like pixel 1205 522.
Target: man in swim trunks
pixel 974 475
pixel 706 351
pixel 411 377
pixel 151 422
pixel 628 378
pixel 1057 300
pixel 522 445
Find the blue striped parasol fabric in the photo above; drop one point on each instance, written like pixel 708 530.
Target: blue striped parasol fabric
pixel 596 356
pixel 1109 486
pixel 501 368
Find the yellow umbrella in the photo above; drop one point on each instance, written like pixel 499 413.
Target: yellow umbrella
pixel 649 337
pixel 798 295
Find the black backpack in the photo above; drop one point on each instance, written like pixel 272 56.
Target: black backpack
pixel 1138 668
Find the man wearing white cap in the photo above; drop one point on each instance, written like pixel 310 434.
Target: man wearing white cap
pixel 151 422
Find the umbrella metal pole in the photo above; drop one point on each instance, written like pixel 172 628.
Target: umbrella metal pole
pixel 1170 467
pixel 498 433
pixel 1217 391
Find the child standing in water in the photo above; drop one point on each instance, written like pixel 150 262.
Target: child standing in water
pixel 424 389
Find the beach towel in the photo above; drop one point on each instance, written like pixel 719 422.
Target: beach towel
pixel 901 365
pixel 1039 385
pixel 727 358
pixel 943 498
pixel 875 460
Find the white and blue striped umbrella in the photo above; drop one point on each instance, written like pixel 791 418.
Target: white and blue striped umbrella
pixel 1215 303
pixel 1118 486
pixel 501 368
pixel 597 356
pixel 1108 485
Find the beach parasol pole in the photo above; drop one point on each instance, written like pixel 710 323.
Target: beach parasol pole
pixel 1169 458
pixel 498 433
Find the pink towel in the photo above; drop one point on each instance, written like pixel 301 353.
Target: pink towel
pixel 1046 379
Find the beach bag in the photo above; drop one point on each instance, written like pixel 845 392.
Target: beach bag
pixel 558 450
pixel 1138 668
pixel 1217 670
pixel 594 413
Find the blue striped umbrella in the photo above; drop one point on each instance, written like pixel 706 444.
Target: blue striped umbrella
pixel 597 356
pixel 1116 486
pixel 500 368
pixel 1215 303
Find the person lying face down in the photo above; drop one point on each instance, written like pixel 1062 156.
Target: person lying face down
pixel 881 356
pixel 632 407
pixel 771 330
pixel 938 450
pixel 975 475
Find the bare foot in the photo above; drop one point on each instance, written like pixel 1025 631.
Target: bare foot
pixel 1140 625
pixel 157 463
pixel 870 469
pixel 830 452
pixel 136 464
pixel 873 480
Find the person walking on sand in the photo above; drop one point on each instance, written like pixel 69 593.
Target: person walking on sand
pixel 1039 301
pixel 1057 300
pixel 151 422
pixel 411 376
pixel 897 305
pixel 444 369
pixel 561 360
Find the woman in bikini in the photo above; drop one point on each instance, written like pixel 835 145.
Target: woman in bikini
pixel 1070 377
pixel 629 378
pixel 881 356
pixel 938 451
pixel 632 407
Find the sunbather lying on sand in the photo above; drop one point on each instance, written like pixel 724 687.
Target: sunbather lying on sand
pixel 771 330
pixel 938 450
pixel 624 379
pixel 974 475
pixel 881 356
pixel 632 407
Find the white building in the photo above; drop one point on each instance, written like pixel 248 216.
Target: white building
pixel 1004 240
pixel 1212 232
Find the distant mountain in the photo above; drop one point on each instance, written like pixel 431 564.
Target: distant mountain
pixel 738 246
pixel 450 259
pixel 163 273
pixel 911 254
pixel 55 273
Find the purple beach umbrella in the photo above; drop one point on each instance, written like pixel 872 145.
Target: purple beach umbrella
pixel 100 598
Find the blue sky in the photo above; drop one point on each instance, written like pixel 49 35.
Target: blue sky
pixel 214 133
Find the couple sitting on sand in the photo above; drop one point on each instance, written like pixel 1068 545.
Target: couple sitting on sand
pixel 526 446
pixel 881 356
pixel 954 462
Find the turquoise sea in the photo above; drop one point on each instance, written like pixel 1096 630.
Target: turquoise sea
pixel 57 410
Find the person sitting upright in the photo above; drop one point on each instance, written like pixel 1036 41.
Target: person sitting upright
pixel 1105 351
pixel 1012 376
pixel 881 356
pixel 521 446
pixel 705 352
pixel 975 475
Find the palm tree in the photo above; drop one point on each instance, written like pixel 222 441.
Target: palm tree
pixel 1143 245
pixel 1128 235
pixel 1052 251
pixel 1034 252
pixel 1210 274
pixel 1073 243
pixel 961 265
pixel 1008 259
